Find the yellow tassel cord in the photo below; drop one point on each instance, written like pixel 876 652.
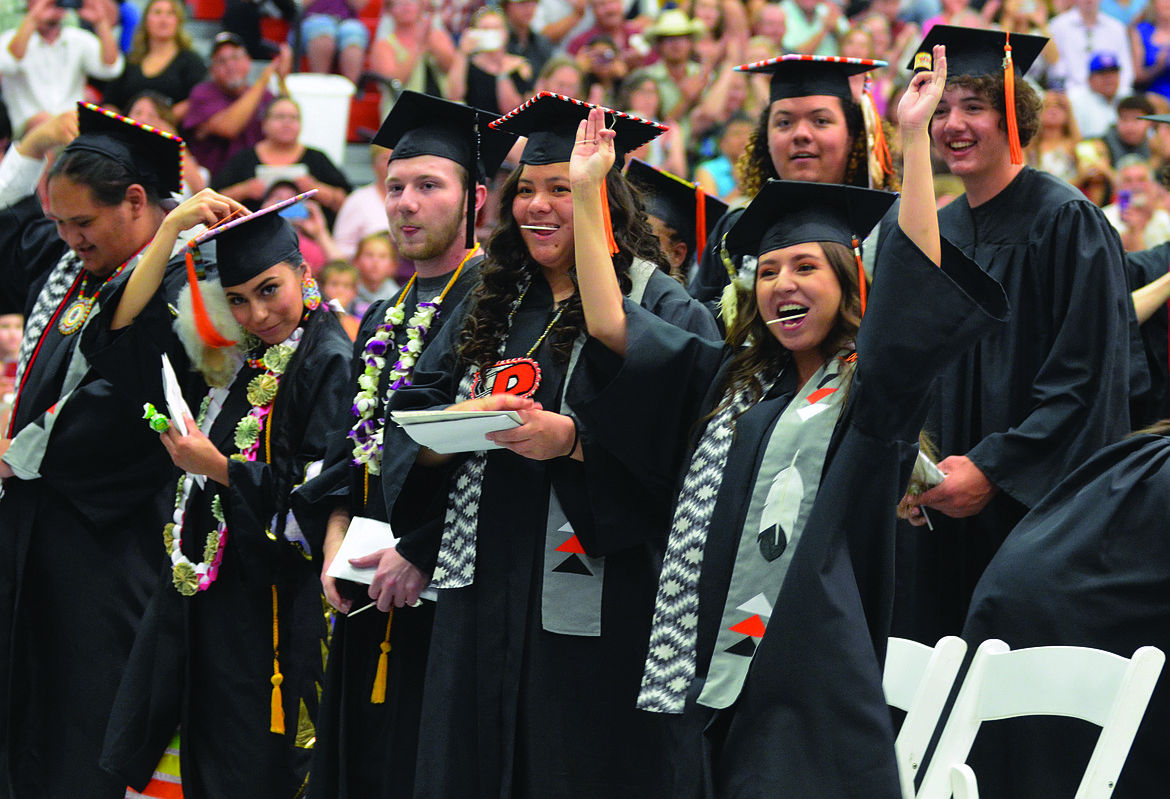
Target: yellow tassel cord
pixel 862 289
pixel 378 695
pixel 1009 91
pixel 277 722
pixel 881 149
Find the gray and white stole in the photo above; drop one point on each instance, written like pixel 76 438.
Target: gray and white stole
pixel 797 447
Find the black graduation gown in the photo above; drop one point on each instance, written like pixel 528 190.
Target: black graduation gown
pixel 1089 566
pixel 1031 401
pixel 366 750
pixel 811 719
pixel 510 709
pixel 1144 268
pixel 79 545
pixel 205 663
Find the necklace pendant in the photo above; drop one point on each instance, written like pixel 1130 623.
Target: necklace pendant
pixel 519 376
pixel 75 315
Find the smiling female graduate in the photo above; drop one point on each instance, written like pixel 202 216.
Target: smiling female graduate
pixel 231 647
pixel 773 603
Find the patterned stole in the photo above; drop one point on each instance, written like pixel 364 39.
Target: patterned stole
pixel 54 292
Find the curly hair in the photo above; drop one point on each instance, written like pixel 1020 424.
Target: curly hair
pixel 758 352
pixel 990 88
pixel 508 262
pixel 755 167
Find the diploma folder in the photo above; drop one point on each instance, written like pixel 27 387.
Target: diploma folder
pixel 364 537
pixel 448 432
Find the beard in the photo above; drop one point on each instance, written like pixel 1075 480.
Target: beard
pixel 436 237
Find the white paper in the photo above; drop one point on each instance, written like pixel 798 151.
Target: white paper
pixel 177 407
pixel 448 432
pixel 926 472
pixel 365 536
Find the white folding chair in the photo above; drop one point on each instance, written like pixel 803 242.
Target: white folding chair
pixel 918 679
pixel 1099 687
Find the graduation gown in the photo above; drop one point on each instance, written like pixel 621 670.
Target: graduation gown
pixel 205 662
pixel 1089 566
pixel 1145 267
pixel 811 719
pixel 366 750
pixel 510 708
pixel 78 544
pixel 1034 399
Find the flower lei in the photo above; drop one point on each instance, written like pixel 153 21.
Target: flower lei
pixel 189 577
pixel 367 432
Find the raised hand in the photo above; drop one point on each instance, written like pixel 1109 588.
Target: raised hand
pixel 922 96
pixel 207 208
pixel 593 151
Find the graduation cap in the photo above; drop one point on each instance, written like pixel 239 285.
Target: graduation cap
pixel 153 156
pixel 975 52
pixel 795 75
pixel 788 212
pixel 1157 117
pixel 420 124
pixel 550 122
pixel 245 247
pixel 680 204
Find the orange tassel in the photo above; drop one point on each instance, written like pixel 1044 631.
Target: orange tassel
pixel 276 724
pixel 1009 91
pixel 207 331
pixel 700 222
pixel 378 695
pixel 862 289
pixel 606 221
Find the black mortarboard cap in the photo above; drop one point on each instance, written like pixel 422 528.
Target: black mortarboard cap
pixel 420 124
pixel 251 244
pixel 550 122
pixel 977 51
pixel 153 156
pixel 676 202
pixel 797 75
pixel 1157 117
pixel 788 212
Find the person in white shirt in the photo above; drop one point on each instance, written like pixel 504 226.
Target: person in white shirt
pixel 1095 103
pixel 1139 215
pixel 1081 32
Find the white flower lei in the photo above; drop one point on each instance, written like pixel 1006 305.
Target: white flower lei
pixel 188 577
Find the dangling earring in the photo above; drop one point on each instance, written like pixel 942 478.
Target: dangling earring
pixel 310 294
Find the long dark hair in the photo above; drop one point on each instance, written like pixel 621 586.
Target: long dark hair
pixel 107 179
pixel 508 262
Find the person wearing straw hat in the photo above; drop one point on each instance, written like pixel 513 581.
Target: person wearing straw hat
pixel 681 80
pixel 1039 397
pixel 545 556
pixel 788 447
pixel 443 153
pixel 85 489
pixel 230 648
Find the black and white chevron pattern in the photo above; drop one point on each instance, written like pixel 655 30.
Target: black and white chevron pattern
pixel 456 564
pixel 56 289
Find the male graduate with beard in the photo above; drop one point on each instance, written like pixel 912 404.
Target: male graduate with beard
pixel 1027 404
pixel 367 731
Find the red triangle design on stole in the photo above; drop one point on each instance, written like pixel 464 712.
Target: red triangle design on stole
pixel 819 394
pixel 753 626
pixel 572 545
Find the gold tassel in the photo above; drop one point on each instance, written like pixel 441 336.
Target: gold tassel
pixel 1009 91
pixel 277 722
pixel 378 695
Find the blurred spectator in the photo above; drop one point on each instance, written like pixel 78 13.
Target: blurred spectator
pixel 11 333
pixel 1081 32
pixel 717 177
pixel 44 65
pixel 725 30
pixel 1095 104
pixel 946 188
pixel 814 27
pixel 1139 212
pixel 417 53
pixel 485 75
pixel 1130 134
pixel 769 23
pixel 1151 49
pixel 603 69
pixel 610 22
pixel 1125 11
pixel 374 262
pixel 561 21
pixel 642 96
pixel 1095 176
pixel 364 210
pixel 162 59
pixel 151 108
pixel 331 30
pixel 316 242
pixel 858 43
pixel 523 40
pixel 1054 148
pixel 681 80
pixel 224 113
pixel 561 75
pixel 242 18
pixel 247 175
pixel 338 280
pixel 1028 16
pixel 957 12
pixel 901 35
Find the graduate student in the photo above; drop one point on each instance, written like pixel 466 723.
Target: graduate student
pixel 546 558
pixel 1088 566
pixel 1149 270
pixel 230 649
pixel 86 486
pixel 812 130
pixel 789 446
pixel 1017 413
pixel 367 735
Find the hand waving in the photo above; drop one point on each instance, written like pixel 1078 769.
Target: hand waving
pixel 922 96
pixel 593 151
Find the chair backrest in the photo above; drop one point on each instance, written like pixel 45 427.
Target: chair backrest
pixel 918 679
pixel 1099 687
